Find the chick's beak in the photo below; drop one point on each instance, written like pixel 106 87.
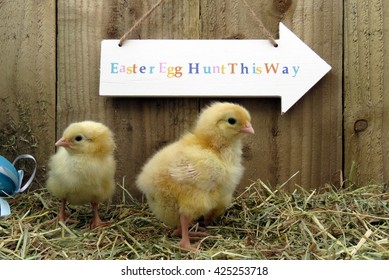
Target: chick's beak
pixel 247 129
pixel 62 143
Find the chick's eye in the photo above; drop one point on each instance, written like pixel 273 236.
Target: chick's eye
pixel 78 138
pixel 231 121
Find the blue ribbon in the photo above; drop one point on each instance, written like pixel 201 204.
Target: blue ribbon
pixel 13 181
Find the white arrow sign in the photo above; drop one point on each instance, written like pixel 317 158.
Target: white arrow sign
pixel 244 68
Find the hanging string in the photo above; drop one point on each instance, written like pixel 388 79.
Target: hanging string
pixel 147 14
pixel 261 26
pixel 139 21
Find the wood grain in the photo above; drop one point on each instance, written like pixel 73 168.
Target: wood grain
pixel 366 130
pixel 27 80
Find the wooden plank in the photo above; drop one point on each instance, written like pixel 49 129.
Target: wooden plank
pixel 141 125
pixel 27 80
pixel 222 19
pixel 308 137
pixel 366 93
pixel 385 111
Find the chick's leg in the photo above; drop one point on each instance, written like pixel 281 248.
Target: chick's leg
pixel 185 241
pixel 63 216
pixel 96 221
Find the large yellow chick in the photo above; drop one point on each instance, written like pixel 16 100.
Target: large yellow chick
pixel 83 168
pixel 197 175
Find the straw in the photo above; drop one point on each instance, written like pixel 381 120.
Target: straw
pixel 263 222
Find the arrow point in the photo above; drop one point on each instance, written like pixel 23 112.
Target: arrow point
pixel 317 67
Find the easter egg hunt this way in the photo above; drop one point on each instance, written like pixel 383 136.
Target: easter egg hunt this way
pixel 192 68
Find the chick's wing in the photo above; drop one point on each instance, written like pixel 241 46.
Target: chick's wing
pixel 200 169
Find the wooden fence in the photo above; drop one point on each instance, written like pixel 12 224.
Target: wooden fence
pixel 49 77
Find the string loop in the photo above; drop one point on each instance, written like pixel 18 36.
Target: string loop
pixel 148 13
pixel 261 26
pixel 139 21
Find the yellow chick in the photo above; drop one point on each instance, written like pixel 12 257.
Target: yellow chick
pixel 83 168
pixel 197 175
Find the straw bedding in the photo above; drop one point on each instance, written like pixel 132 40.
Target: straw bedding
pixel 262 223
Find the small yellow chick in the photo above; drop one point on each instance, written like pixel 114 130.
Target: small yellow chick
pixel 197 175
pixel 83 168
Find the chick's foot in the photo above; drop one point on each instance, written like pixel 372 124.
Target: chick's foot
pixel 185 244
pixel 96 221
